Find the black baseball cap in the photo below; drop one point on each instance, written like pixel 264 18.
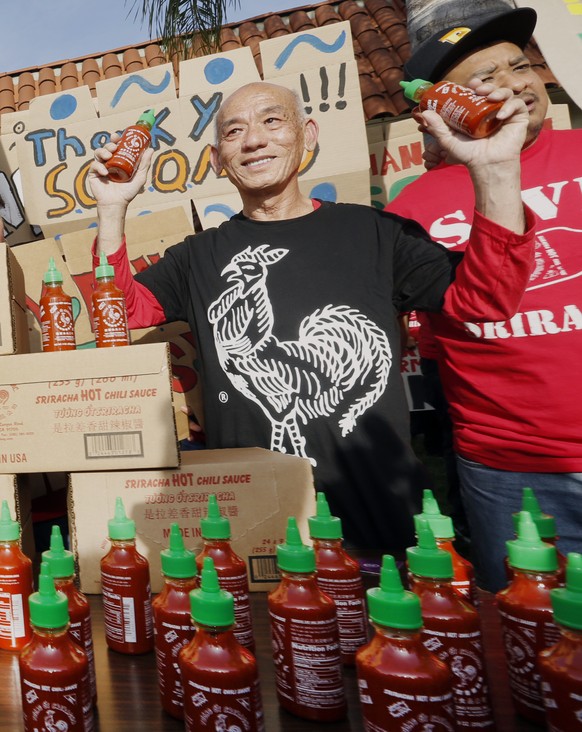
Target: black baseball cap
pixel 444 48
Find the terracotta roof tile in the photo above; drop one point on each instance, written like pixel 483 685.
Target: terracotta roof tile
pixel 380 37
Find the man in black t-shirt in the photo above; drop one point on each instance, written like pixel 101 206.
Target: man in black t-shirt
pixel 293 303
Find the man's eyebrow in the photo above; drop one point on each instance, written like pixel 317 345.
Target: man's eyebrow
pixel 490 68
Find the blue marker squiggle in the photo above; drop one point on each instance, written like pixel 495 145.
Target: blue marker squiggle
pixel 143 84
pixel 313 41
pixel 220 208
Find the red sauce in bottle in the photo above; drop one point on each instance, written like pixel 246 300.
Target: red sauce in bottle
pixel 220 677
pixel 443 530
pixel 62 567
pixel 561 665
pixel 459 106
pixel 402 685
pixel 15 585
pixel 338 575
pixel 109 312
pixel 57 323
pixel 452 629
pixel 305 637
pixel 173 627
pixel 231 569
pixel 54 671
pixel 134 140
pixel 125 582
pixel 526 616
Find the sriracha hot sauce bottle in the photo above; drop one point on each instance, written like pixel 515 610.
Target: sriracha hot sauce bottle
pixel 220 677
pixel 173 628
pixel 15 585
pixel 109 313
pixel 459 106
pixel 125 582
pixel 444 533
pixel 402 685
pixel 452 629
pixel 305 637
pixel 526 615
pixel 561 665
pixel 57 323
pixel 338 575
pixel 54 671
pixel 134 140
pixel 62 567
pixel 231 569
pixel 546 526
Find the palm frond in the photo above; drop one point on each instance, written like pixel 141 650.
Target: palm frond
pixel 181 23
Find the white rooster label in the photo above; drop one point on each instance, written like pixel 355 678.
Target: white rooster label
pixel 337 366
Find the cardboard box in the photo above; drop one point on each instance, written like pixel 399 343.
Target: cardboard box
pixel 98 409
pixel 256 489
pixel 13 321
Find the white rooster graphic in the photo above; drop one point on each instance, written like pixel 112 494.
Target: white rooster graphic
pixel 340 360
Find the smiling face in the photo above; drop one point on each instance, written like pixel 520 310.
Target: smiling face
pixel 261 138
pixel 504 64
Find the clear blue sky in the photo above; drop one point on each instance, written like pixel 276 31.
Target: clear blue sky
pixel 38 32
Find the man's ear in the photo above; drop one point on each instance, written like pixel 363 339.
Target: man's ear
pixel 311 132
pixel 215 160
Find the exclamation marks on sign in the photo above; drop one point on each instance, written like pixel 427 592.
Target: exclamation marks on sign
pixel 324 105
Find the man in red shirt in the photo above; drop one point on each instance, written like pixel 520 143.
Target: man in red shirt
pixel 513 386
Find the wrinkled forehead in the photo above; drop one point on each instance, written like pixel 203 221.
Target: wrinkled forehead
pixel 257 98
pixel 484 57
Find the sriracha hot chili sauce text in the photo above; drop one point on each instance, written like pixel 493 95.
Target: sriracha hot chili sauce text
pixel 526 615
pixel 452 629
pixel 62 567
pixel 231 569
pixel 134 140
pixel 125 582
pixel 220 677
pixel 402 685
pixel 109 312
pixel 561 665
pixel 305 637
pixel 338 575
pixel 459 106
pixel 444 533
pixel 54 671
pixel 57 323
pixel 173 628
pixel 15 585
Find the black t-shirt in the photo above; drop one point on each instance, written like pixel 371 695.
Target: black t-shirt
pixel 299 348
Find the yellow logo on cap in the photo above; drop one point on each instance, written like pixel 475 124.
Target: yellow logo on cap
pixel 455 35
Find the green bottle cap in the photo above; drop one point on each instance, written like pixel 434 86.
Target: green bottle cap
pixel 121 527
pixel 60 561
pixel 177 561
pixel 214 526
pixel 104 269
pixel 209 604
pixel 528 551
pixel 48 607
pixel 567 601
pixel 9 529
pixel 545 522
pixel 390 604
pixel 294 555
pixel 426 559
pixel 148 118
pixel 323 525
pixel 52 276
pixel 441 525
pixel 415 89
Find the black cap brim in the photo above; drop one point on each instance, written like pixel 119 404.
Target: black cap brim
pixel 433 57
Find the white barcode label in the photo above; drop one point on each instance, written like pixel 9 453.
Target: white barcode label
pixel 129 630
pixel 113 444
pixel 264 569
